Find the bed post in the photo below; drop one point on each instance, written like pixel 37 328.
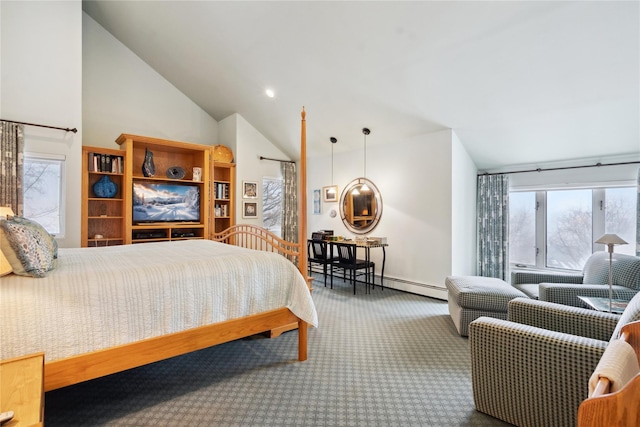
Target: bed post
pixel 302 205
pixel 302 233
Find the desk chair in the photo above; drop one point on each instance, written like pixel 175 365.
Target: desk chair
pixel 347 261
pixel 318 254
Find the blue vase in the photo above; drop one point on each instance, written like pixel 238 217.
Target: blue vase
pixel 148 168
pixel 105 188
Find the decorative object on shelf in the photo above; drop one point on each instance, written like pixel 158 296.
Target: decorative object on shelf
pixel 148 167
pixel 249 189
pixel 105 188
pixel 197 174
pixel 176 172
pixel 222 154
pixel 610 240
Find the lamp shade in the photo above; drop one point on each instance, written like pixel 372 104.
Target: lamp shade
pixel 5 267
pixel 611 239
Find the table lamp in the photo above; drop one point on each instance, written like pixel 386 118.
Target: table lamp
pixel 610 240
pixel 5 267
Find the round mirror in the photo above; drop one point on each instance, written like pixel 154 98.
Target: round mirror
pixel 360 206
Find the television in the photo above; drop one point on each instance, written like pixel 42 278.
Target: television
pixel 164 202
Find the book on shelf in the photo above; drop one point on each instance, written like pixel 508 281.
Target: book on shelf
pixel 222 190
pixel 221 210
pixel 99 162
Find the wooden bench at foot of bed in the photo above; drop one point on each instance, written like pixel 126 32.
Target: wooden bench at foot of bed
pixel 72 370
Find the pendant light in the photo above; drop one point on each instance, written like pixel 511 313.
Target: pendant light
pixel 364 188
pixel 332 189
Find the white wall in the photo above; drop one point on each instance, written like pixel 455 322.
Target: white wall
pixel 416 182
pixel 248 145
pixel 463 210
pixel 122 94
pixel 41 82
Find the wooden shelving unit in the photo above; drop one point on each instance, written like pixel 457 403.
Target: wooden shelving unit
pixel 166 154
pixel 223 194
pixel 102 216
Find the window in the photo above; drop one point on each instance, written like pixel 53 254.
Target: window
pixel 555 229
pixel 43 186
pixel 272 189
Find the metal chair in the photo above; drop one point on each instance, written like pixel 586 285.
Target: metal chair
pixel 319 254
pixel 348 261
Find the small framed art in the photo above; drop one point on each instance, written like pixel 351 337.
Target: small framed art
pixel 249 209
pixel 316 202
pixel 249 189
pixel 330 194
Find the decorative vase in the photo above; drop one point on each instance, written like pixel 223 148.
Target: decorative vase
pixel 105 188
pixel 222 154
pixel 148 168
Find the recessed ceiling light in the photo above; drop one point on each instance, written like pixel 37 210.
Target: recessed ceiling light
pixel 270 93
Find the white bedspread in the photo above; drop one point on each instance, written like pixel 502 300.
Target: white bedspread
pixel 102 297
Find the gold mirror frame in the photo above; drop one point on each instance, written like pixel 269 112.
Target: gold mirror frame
pixel 360 213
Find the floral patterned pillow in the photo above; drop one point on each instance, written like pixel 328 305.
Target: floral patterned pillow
pixel 29 248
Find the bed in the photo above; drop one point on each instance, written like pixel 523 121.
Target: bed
pixel 157 309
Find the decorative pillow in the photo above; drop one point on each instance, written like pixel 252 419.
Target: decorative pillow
pixel 28 247
pixel 5 267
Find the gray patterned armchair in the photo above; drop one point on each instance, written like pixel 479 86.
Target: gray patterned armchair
pixel 533 369
pixel 592 282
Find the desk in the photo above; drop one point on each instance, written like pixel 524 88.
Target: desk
pixel 367 249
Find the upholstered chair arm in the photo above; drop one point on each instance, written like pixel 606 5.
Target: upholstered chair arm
pixel 563 318
pixel 568 293
pixel 522 277
pixel 530 376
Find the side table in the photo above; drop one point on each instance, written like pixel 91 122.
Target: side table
pixel 602 304
pixel 22 389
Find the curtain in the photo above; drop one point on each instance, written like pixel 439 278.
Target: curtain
pixel 290 202
pixel 11 155
pixel 638 218
pixel 493 226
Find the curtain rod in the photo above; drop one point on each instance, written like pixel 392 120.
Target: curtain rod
pixel 276 160
pixel 597 165
pixel 74 130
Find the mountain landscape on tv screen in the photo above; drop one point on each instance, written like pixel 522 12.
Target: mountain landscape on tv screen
pixel 165 202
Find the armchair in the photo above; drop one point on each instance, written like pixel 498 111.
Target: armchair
pixel 534 368
pixel 593 281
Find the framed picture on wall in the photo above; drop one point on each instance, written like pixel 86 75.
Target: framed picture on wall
pixel 249 209
pixel 330 194
pixel 316 202
pixel 249 189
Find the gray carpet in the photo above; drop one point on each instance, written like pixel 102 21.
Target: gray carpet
pixel 384 359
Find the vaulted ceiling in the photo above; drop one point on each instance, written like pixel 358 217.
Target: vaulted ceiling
pixel 518 82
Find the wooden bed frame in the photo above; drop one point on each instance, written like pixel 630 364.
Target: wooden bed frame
pixel 72 370
pixel 620 408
